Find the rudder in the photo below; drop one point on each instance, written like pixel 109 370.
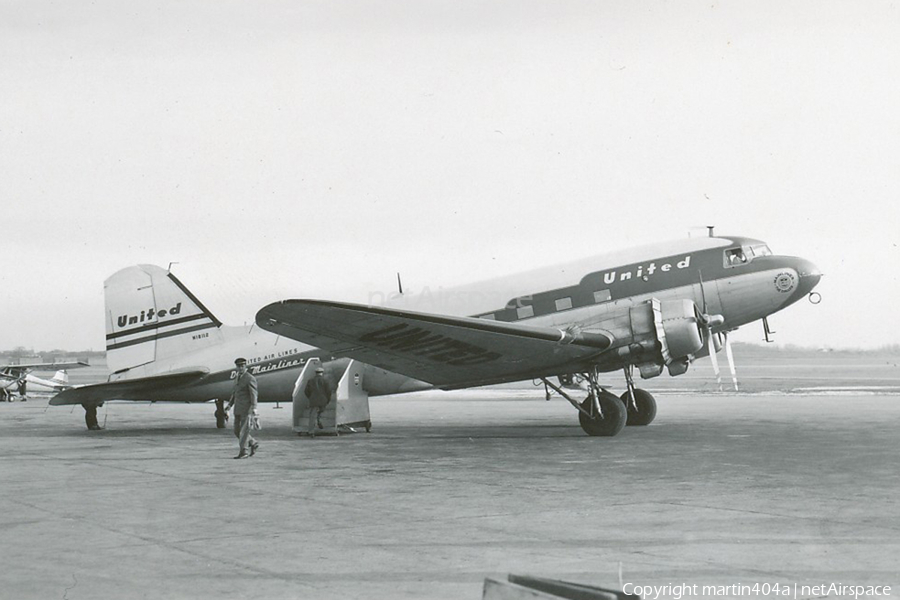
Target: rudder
pixel 61 378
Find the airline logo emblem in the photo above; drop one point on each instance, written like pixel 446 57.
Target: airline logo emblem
pixel 147 315
pixel 152 325
pixel 784 282
pixel 644 271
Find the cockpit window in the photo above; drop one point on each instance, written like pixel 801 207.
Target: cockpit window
pixel 760 250
pixel 735 256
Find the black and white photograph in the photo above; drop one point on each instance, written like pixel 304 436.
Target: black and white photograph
pixel 469 300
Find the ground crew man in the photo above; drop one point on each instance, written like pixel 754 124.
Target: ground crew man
pixel 318 391
pixel 244 397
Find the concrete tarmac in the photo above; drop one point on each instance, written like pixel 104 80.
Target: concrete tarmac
pixel 447 489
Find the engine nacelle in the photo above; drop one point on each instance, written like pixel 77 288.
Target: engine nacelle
pixel 661 333
pixel 678 328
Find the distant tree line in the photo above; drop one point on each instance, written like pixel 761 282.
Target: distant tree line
pixel 55 355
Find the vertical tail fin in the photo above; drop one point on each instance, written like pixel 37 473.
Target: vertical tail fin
pixel 151 316
pixel 61 378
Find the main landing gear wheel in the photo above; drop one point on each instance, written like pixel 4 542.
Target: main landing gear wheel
pixel 644 412
pixel 610 422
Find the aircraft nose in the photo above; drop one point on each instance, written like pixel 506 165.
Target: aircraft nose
pixel 809 275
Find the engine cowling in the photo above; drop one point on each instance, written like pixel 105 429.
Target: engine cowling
pixel 659 334
pixel 678 329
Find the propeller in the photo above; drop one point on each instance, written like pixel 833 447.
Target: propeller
pixel 709 321
pixel 730 357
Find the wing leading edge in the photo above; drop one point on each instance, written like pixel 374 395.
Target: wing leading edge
pixel 448 352
pixel 44 366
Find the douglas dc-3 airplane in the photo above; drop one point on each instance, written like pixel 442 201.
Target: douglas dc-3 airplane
pixel 656 308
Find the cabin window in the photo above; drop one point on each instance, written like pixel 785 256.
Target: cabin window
pixel 564 303
pixel 602 296
pixel 523 312
pixel 734 257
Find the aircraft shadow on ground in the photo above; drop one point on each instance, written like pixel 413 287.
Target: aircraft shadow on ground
pixel 136 430
pixel 452 433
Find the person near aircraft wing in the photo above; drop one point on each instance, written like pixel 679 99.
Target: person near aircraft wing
pixel 244 397
pixel 318 391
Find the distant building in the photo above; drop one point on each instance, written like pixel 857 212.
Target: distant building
pixel 24 360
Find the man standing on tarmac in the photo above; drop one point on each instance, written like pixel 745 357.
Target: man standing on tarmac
pixel 318 390
pixel 244 396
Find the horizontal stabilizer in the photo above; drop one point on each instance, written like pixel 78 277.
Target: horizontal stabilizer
pixel 142 388
pixel 448 352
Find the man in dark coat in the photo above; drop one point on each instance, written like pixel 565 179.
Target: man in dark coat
pixel 244 397
pixel 318 390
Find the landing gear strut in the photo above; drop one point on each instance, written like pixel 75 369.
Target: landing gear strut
pixel 601 413
pixel 640 404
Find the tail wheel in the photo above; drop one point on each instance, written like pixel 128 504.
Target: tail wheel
pixel 221 414
pixel 611 422
pixel 644 412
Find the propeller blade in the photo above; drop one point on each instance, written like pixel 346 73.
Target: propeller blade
pixel 712 357
pixel 730 358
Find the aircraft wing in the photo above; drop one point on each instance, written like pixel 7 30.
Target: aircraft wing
pixel 44 366
pixel 448 352
pixel 127 389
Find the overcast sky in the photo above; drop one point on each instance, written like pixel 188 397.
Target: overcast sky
pixel 313 149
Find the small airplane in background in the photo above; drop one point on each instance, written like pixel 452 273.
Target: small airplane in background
pixel 657 307
pixel 16 380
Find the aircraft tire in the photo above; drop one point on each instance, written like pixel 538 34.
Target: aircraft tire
pixel 646 407
pixel 612 421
